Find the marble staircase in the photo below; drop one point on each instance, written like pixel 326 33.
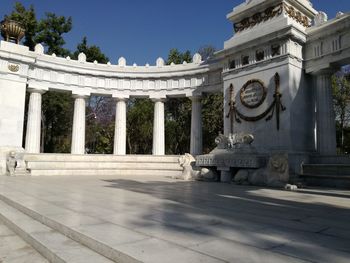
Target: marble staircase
pixel 54 240
pixel 327 171
pixel 50 243
pixel 66 164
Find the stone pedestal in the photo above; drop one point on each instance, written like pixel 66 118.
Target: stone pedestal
pixel 196 127
pixel 158 128
pixel 78 134
pixel 33 137
pixel 325 117
pixel 120 128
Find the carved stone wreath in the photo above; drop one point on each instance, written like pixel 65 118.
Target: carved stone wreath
pixel 253 93
pixel 276 107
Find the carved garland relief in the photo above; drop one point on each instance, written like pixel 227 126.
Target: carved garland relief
pixel 270 13
pixel 275 108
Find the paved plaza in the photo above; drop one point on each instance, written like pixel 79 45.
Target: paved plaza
pixel 158 219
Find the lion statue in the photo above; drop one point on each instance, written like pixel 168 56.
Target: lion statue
pixel 276 174
pixel 191 172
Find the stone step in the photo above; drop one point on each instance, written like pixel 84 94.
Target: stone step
pixel 330 159
pixel 327 169
pixel 327 175
pixel 94 172
pixel 48 165
pixel 118 243
pixel 53 245
pixel 333 181
pixel 101 158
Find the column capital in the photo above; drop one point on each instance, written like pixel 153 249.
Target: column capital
pixel 120 97
pixel 160 99
pixel 195 98
pixel 36 90
pixel 80 96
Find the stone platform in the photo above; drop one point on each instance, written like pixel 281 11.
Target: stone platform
pixel 157 219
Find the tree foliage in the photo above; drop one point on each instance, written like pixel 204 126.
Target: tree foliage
pixel 212 116
pixel 57 113
pixel 100 125
pixel 50 33
pixel 140 126
pixel 93 53
pixel 177 57
pixel 341 99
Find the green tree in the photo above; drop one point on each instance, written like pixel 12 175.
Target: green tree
pixel 177 125
pixel 100 119
pixel 57 113
pixel 178 113
pixel 341 99
pixel 92 52
pixel 50 33
pixel 140 126
pixel 176 57
pixel 212 116
pixel 27 18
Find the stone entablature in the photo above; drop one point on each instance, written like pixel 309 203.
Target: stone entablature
pixel 271 51
pixel 78 76
pixel 328 44
pixel 286 20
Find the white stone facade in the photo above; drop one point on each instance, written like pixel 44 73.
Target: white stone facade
pixel 271 37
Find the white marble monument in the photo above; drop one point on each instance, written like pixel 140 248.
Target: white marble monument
pixel 274 73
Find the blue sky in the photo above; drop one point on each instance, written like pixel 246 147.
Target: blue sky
pixel 143 30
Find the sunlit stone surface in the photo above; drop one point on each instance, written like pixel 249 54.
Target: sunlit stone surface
pixel 157 219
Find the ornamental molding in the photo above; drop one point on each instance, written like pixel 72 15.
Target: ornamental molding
pixel 258 18
pixel 297 16
pixel 270 13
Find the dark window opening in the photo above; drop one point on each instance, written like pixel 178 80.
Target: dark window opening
pixel 245 60
pixel 232 64
pixel 260 55
pixel 275 50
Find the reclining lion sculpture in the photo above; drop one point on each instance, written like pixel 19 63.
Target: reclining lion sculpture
pixel 191 172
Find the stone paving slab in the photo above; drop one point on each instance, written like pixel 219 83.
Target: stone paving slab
pixel 14 250
pixel 163 220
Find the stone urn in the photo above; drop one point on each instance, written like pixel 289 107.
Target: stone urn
pixel 12 31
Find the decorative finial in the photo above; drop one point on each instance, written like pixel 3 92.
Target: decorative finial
pixel 12 31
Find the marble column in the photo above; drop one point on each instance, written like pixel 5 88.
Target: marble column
pixel 325 117
pixel 33 136
pixel 120 127
pixel 158 128
pixel 196 126
pixel 78 134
